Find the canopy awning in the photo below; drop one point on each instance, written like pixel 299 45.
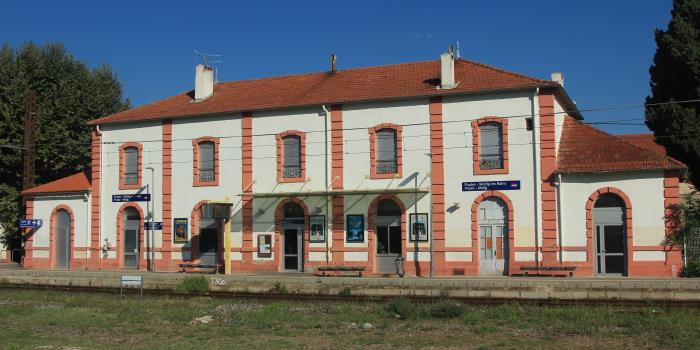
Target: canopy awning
pixel 368 191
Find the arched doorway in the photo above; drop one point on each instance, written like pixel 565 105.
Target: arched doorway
pixel 293 221
pixel 388 236
pixel 493 237
pixel 208 237
pixel 610 238
pixel 62 225
pixel 131 227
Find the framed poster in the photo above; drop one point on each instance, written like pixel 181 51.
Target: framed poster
pixel 265 246
pixel 355 231
pixel 180 229
pixel 317 227
pixel 419 227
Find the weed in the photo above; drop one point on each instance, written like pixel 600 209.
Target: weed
pixel 280 287
pixel 345 292
pixel 402 307
pixel 193 284
pixel 446 309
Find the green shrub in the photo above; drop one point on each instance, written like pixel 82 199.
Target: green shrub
pixel 692 270
pixel 193 284
pixel 446 309
pixel 402 307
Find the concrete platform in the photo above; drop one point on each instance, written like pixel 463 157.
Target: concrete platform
pixel 530 288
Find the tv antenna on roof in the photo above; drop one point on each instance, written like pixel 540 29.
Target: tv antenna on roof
pixel 209 60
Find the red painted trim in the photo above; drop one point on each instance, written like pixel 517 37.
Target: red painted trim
pixel 511 229
pixel 195 164
pixel 548 164
pixel 28 261
pixel 247 188
pixel 437 185
pixel 337 202
pixel 122 165
pixel 167 191
pixel 95 244
pixel 476 146
pixel 279 215
pixel 373 146
pixel 280 155
pixel 120 236
pixel 52 235
pixel 672 200
pixel 371 244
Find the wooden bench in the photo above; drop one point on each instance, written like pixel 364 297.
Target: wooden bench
pixel 550 270
pixel 190 267
pixel 340 270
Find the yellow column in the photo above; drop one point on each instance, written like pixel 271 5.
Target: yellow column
pixel 227 247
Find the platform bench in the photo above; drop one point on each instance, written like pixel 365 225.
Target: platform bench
pixel 340 270
pixel 550 270
pixel 199 267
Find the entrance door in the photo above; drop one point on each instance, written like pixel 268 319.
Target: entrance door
pixel 293 248
pixel 388 233
pixel 493 240
pixel 208 241
pixel 62 245
pixel 610 237
pixel 131 224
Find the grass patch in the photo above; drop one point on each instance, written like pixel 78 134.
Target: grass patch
pixel 58 320
pixel 193 284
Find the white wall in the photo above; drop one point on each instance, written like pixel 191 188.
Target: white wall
pixel 79 205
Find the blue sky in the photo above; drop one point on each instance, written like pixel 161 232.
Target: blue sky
pixel 604 48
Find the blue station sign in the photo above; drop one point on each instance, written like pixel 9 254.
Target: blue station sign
pixel 490 186
pixel 158 225
pixel 33 223
pixel 138 197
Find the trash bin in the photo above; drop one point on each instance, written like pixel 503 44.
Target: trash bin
pixel 399 266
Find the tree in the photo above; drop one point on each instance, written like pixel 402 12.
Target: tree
pixel 69 94
pixel 675 76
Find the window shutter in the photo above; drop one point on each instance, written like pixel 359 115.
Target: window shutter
pixel 131 158
pixel 292 151
pixel 206 156
pixel 386 145
pixel 491 142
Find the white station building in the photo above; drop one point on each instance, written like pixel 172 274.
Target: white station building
pixel 457 167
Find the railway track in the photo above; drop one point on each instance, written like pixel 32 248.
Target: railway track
pixel 273 296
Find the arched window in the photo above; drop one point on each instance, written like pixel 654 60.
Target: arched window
pixel 206 159
pixel 130 166
pixel 62 238
pixel 386 151
pixel 293 210
pixel 491 146
pixel 387 207
pixel 292 156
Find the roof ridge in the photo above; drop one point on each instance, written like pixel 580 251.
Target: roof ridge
pixel 504 71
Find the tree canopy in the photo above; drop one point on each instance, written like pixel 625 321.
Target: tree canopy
pixel 69 94
pixel 675 76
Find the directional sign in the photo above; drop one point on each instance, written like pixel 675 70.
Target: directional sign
pixel 138 197
pixel 158 225
pixel 34 223
pixel 490 186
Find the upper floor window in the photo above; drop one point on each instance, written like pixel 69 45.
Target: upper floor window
pixel 206 167
pixel 491 147
pixel 291 165
pixel 292 156
pixel 130 166
pixel 206 161
pixel 385 151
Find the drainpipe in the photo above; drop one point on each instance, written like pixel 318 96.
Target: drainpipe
pixel 535 173
pixel 99 251
pixel 87 225
pixel 326 113
pixel 557 184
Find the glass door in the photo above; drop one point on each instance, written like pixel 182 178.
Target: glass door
pixel 293 251
pixel 610 249
pixel 131 247
pixel 388 248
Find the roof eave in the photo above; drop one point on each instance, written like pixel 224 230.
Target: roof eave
pixel 41 193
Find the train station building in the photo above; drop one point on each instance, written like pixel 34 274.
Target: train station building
pixel 456 167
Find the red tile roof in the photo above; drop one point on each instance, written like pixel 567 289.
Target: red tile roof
pixel 362 84
pixel 75 183
pixel 585 149
pixel 644 141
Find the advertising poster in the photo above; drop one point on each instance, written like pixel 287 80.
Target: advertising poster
pixel 317 225
pixel 419 227
pixel 355 228
pixel 180 229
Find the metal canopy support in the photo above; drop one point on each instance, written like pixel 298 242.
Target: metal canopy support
pixel 339 192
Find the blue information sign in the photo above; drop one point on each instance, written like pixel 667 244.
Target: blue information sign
pixel 139 197
pixel 34 223
pixel 158 225
pixel 490 186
